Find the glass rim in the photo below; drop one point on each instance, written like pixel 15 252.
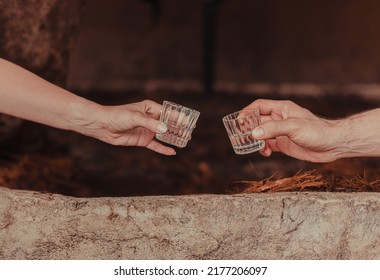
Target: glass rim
pixel 237 115
pixel 182 107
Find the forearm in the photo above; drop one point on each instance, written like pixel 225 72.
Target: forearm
pixel 359 135
pixel 27 96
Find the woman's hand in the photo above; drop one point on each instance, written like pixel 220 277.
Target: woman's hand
pixel 132 124
pixel 27 96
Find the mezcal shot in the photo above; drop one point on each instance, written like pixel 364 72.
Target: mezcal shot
pixel 180 122
pixel 239 126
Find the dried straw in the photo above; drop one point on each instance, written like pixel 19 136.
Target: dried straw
pixel 311 180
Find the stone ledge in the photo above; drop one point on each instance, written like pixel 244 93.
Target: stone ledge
pixel 255 226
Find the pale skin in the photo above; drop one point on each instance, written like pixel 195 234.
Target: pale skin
pixel 296 132
pixel 27 96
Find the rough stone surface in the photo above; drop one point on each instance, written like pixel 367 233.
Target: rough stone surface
pixel 257 226
pixel 39 35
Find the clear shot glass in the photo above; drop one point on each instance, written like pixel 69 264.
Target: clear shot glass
pixel 239 126
pixel 180 122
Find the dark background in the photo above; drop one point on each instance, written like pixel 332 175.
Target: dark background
pixel 276 41
pixel 321 54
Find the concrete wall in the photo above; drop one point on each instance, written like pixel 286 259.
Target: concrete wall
pixel 257 226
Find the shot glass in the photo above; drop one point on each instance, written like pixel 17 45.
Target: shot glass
pixel 239 126
pixel 180 122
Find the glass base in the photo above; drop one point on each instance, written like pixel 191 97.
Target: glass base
pixel 172 139
pixel 253 147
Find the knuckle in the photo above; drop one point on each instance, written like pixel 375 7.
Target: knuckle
pixel 288 104
pixel 147 101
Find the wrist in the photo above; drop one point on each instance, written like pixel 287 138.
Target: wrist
pixel 342 140
pixel 358 136
pixel 84 116
pixel 365 134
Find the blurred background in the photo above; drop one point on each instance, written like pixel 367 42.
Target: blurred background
pixel 125 44
pixel 215 56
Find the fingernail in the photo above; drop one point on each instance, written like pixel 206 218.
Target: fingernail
pixel 162 128
pixel 258 132
pixel 174 153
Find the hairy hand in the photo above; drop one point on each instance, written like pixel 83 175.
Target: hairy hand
pixel 295 131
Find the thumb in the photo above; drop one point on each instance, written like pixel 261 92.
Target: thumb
pixel 272 129
pixel 152 124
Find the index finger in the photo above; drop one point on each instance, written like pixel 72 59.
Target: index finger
pixel 281 109
pixel 152 109
pixel 267 106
